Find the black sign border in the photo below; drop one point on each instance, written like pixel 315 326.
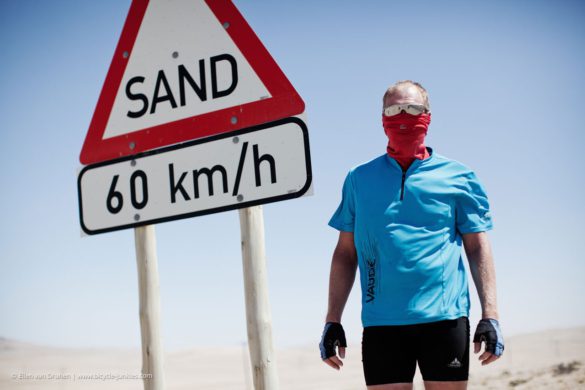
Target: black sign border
pixel 236 206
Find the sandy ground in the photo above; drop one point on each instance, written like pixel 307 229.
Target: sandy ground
pixel 546 360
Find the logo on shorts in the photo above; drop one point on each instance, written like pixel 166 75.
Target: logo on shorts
pixel 371 293
pixel 454 364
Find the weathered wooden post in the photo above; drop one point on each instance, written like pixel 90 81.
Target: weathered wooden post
pixel 149 297
pixel 258 317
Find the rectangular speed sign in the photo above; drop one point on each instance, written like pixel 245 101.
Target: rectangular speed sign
pixel 257 165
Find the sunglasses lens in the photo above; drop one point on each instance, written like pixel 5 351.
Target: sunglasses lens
pixel 415 109
pixel 412 109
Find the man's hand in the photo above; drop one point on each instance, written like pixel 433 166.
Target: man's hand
pixel 488 331
pixel 333 336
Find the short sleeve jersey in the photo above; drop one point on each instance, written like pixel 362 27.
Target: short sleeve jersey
pixel 407 232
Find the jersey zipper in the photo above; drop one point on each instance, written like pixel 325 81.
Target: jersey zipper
pixel 402 186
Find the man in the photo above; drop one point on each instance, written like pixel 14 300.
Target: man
pixel 403 218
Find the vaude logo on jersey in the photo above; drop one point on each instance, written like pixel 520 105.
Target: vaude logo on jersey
pixel 454 364
pixel 371 292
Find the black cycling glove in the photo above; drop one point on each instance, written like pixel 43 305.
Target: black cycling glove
pixel 333 336
pixel 488 331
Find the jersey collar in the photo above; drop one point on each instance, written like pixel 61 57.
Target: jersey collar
pixel 415 164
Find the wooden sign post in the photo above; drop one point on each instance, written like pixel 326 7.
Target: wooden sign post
pixel 258 317
pixel 149 297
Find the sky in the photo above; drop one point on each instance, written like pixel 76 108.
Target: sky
pixel 505 80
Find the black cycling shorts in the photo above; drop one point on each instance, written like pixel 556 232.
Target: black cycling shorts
pixel 441 349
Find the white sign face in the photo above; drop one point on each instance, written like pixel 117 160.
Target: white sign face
pixel 200 74
pixel 258 165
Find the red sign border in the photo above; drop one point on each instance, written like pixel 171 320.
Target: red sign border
pixel 284 101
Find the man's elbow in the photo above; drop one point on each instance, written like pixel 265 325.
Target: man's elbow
pixel 345 256
pixel 476 244
pixel 345 252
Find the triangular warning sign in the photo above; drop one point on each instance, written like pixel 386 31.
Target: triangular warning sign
pixel 182 70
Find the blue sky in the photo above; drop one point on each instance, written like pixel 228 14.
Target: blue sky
pixel 506 85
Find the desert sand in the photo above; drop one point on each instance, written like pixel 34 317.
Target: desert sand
pixel 553 359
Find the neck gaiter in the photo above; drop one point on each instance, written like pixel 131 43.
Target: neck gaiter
pixel 406 135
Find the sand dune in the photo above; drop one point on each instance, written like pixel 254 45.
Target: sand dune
pixel 547 360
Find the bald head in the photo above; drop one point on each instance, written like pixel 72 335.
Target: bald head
pixel 406 92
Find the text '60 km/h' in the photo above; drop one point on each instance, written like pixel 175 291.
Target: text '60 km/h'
pixel 181 188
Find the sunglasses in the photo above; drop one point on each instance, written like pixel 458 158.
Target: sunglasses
pixel 412 109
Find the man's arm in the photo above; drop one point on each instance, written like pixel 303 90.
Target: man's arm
pixel 341 278
pixel 481 265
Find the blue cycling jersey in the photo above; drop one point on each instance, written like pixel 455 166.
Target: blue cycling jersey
pixel 407 232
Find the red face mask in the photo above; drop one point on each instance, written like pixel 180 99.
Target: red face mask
pixel 406 136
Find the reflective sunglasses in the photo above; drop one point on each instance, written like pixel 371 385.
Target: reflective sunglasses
pixel 412 109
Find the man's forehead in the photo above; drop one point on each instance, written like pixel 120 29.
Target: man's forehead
pixel 406 93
